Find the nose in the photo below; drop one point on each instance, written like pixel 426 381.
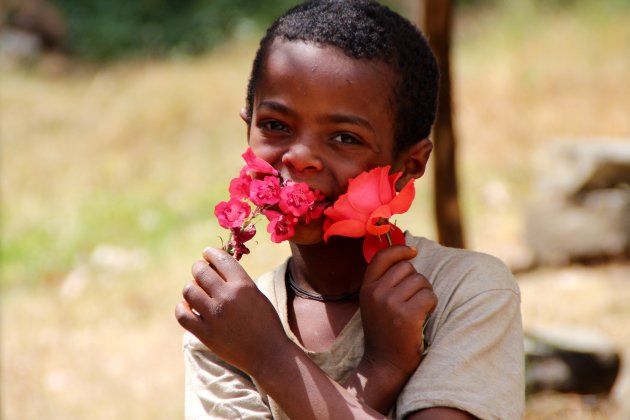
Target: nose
pixel 302 158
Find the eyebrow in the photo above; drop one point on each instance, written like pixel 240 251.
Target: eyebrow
pixel 332 118
pixel 277 106
pixel 350 119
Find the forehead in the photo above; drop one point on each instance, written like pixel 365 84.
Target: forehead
pixel 315 71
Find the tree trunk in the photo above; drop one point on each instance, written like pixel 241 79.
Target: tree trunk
pixel 438 20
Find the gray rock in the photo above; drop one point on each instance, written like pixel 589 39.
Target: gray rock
pixel 570 360
pixel 583 208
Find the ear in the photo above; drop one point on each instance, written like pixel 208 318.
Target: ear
pixel 413 162
pixel 248 121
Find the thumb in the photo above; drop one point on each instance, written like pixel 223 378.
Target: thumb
pixel 386 258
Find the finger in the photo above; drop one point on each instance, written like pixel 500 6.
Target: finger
pixel 185 316
pixel 424 301
pixel 197 299
pixel 395 274
pixel 206 277
pixel 386 258
pixel 409 286
pixel 225 265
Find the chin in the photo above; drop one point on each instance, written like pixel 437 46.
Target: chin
pixel 310 234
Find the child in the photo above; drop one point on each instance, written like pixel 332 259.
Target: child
pixel 337 88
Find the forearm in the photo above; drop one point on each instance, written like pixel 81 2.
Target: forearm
pixel 376 385
pixel 304 391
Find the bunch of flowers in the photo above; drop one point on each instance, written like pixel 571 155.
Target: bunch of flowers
pixel 282 202
pixel 365 209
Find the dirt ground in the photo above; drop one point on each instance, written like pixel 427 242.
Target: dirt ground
pixel 595 299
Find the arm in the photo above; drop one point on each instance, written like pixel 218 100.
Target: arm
pixel 223 297
pixel 440 413
pixel 215 389
pixel 475 359
pixel 395 302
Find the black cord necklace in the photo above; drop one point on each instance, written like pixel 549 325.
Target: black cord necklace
pixel 304 294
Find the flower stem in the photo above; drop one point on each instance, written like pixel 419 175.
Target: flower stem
pixel 389 239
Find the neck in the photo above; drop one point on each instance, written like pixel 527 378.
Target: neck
pixel 331 268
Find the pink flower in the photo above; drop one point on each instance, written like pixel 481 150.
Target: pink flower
pixel 315 211
pixel 255 164
pixel 260 184
pixel 265 192
pixel 239 187
pixel 366 207
pixel 296 198
pixel 237 249
pixel 232 214
pixel 245 234
pixel 238 237
pixel 281 226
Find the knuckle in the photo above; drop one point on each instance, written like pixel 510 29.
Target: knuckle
pixel 181 315
pixel 423 281
pixel 187 291
pixel 392 304
pixel 423 285
pixel 198 268
pixel 404 267
pixel 207 253
pixel 430 300
pixel 218 310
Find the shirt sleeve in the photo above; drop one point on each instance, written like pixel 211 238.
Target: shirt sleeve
pixel 475 360
pixel 217 390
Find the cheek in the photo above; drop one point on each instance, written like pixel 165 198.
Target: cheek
pixel 267 152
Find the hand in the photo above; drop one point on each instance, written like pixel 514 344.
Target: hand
pixel 395 302
pixel 224 309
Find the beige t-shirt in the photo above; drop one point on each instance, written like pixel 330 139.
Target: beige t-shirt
pixel 474 361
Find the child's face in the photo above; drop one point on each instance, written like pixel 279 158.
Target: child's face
pixel 322 118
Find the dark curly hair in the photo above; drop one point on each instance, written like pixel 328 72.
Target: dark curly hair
pixel 366 30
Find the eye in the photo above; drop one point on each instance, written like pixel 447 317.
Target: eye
pixel 346 138
pixel 273 125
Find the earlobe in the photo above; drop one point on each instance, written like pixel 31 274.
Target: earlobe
pixel 244 117
pixel 414 161
pixel 248 121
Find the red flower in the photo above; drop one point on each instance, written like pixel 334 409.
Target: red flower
pixel 296 198
pixel 255 164
pixel 245 234
pixel 232 214
pixel 281 226
pixel 265 192
pixel 372 244
pixel 236 246
pixel 239 187
pixel 364 210
pixel 260 184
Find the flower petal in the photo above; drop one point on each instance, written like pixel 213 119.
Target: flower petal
pixel 350 228
pixel 364 191
pixel 372 244
pixel 403 200
pixel 256 164
pixel 397 236
pixel 377 215
pixel 343 209
pixel 387 185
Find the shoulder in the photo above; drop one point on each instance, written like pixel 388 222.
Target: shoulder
pixel 459 271
pixel 474 336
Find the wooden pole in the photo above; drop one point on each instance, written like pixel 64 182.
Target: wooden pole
pixel 438 22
